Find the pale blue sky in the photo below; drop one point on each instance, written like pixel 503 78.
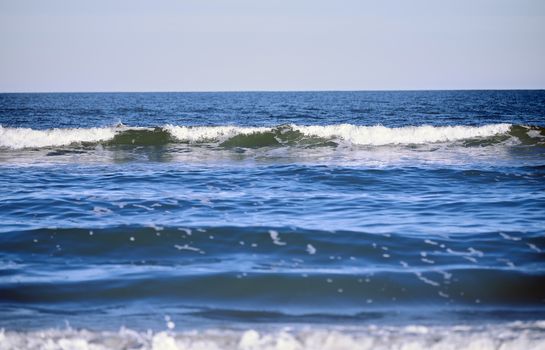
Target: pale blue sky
pixel 218 45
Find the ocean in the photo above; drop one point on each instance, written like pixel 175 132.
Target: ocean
pixel 273 220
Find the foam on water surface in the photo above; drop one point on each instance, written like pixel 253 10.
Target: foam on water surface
pixel 511 336
pixel 19 138
pixel 211 133
pixel 381 135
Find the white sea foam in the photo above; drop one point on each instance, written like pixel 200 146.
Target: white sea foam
pixel 381 135
pixel 534 134
pixel 17 138
pixel 197 134
pixel 275 237
pixel 517 335
pixel 310 249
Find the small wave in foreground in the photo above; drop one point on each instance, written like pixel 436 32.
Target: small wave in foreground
pixel 517 335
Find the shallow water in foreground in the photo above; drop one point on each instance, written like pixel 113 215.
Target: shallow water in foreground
pixel 319 220
pixel 515 335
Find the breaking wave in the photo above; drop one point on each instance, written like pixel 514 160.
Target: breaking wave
pixel 254 137
pixel 516 335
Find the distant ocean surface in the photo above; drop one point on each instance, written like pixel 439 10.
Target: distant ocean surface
pixel 273 220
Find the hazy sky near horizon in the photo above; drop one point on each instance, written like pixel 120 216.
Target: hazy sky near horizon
pixel 217 45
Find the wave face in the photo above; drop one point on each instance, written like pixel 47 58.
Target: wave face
pixel 251 137
pixel 352 274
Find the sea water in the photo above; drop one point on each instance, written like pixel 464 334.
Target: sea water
pixel 281 220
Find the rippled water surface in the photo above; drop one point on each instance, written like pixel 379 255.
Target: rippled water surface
pixel 388 217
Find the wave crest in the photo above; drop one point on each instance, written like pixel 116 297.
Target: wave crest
pixel 239 136
pixel 380 135
pixel 17 138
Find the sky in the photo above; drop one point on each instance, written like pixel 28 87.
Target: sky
pixel 278 45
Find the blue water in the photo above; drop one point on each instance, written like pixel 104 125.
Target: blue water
pixel 229 209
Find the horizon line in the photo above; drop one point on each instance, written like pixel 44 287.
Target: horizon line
pixel 263 91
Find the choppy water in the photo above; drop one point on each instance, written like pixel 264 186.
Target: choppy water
pixel 356 219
